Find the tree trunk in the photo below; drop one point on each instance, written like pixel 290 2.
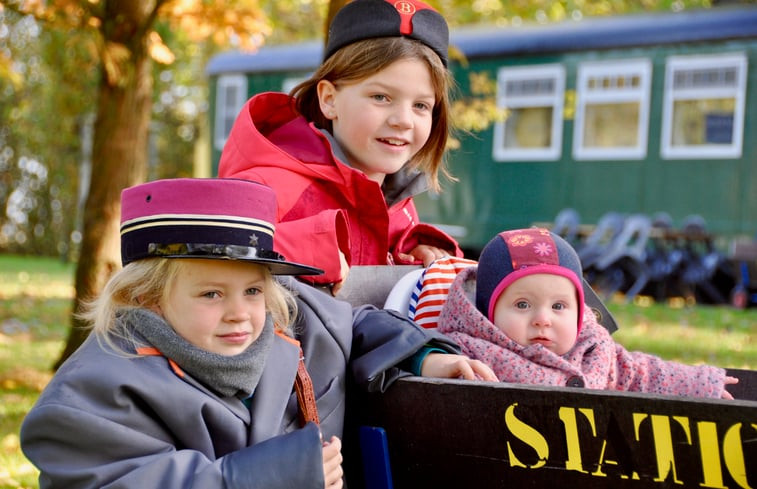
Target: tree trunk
pixel 119 155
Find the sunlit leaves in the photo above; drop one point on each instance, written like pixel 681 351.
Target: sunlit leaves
pixel 226 22
pixel 42 100
pixel 518 12
pixel 158 50
pixel 115 59
pixel 8 73
pixel 476 114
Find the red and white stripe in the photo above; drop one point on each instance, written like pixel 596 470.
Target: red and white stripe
pixel 431 290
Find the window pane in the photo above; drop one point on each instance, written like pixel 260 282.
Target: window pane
pixel 521 88
pixel 612 112
pixel 704 106
pixel 231 91
pixel 529 127
pixel 533 98
pixel 704 121
pixel 611 125
pixel 232 97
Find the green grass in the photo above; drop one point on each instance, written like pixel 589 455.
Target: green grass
pixel 35 305
pixel 717 335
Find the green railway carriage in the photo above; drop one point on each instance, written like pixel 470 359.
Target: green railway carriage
pixel 635 114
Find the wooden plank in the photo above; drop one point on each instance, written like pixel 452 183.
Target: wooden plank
pixel 744 251
pixel 367 284
pixel 747 386
pixel 450 433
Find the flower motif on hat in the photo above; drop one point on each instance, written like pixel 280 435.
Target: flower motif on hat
pixel 543 249
pixel 520 240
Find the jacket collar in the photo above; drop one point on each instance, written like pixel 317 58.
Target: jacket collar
pixel 269 402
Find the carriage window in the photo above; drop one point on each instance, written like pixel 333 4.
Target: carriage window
pixel 292 81
pixel 704 106
pixel 231 94
pixel 533 98
pixel 612 112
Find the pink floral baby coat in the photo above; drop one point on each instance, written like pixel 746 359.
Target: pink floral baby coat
pixel 595 361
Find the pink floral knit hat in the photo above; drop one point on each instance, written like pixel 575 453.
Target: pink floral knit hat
pixel 511 255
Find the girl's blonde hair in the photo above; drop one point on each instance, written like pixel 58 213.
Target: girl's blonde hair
pixel 143 283
pixel 362 59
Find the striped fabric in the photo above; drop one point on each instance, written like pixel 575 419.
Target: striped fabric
pixel 432 287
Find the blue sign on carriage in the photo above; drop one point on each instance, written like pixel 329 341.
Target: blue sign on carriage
pixel 719 128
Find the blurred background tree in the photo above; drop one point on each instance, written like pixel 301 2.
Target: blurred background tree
pixel 99 95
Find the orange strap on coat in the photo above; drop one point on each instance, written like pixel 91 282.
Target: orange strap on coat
pixel 303 387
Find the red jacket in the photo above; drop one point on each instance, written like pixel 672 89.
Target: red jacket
pixel 324 205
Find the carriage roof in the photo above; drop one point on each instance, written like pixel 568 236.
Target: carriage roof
pixel 489 41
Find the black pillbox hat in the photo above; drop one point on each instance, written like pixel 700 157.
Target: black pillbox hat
pixel 367 19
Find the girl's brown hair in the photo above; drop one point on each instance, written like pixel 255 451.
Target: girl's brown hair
pixel 362 59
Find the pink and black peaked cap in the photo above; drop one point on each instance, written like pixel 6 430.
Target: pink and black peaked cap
pixel 511 255
pixel 367 19
pixel 212 218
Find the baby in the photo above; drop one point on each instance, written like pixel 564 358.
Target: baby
pixel 522 312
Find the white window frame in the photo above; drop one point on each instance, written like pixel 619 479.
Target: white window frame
pixel 228 110
pixel 641 94
pixel 556 72
pixel 292 81
pixel 715 61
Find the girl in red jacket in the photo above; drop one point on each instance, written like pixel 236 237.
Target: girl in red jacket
pixel 350 147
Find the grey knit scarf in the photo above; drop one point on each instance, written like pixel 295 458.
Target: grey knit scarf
pixel 236 375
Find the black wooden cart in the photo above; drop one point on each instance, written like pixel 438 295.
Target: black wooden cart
pixel 463 434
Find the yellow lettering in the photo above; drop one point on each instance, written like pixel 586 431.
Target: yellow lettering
pixel 528 435
pixel 664 445
pixel 602 461
pixel 637 419
pixel 733 454
pixel 568 417
pixel 709 449
pixel 663 440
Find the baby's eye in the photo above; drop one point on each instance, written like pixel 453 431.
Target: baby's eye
pixel 521 305
pixel 558 306
pixel 211 294
pixel 379 97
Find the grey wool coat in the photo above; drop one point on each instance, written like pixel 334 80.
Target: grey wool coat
pixel 111 421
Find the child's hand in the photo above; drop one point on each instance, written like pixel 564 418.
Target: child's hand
pixel 344 269
pixel 424 253
pixel 332 463
pixel 450 366
pixel 728 380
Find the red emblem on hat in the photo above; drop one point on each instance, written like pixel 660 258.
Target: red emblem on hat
pixel 404 7
pixel 406 10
